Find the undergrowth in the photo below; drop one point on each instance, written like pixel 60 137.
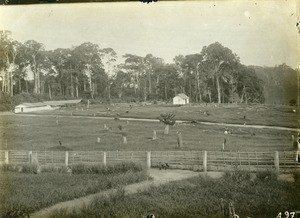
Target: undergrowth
pixel 257 195
pixel 24 192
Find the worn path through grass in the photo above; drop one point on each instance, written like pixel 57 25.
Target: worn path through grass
pixel 160 177
pixel 256 126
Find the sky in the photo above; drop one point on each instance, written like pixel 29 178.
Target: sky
pixel 261 33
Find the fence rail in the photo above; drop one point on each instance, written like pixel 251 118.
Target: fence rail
pixel 195 160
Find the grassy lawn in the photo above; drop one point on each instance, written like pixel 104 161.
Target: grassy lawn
pixel 277 115
pixel 259 196
pixel 80 133
pixel 21 192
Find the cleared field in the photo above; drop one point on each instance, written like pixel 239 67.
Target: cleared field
pixel 20 132
pixel 277 115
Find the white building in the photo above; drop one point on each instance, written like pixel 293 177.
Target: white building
pixel 181 99
pixel 30 107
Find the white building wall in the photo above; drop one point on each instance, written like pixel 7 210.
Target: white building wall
pixel 178 100
pixel 32 109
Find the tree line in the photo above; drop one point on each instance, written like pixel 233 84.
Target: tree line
pixel 215 74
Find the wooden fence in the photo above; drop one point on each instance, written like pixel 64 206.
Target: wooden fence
pixel 194 160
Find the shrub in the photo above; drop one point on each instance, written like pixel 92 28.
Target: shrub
pixel 54 169
pixel 267 175
pixel 293 102
pixel 296 175
pixel 60 148
pixel 21 168
pixel 30 168
pixel 9 168
pixel 5 102
pixel 109 169
pixel 237 175
pixel 168 118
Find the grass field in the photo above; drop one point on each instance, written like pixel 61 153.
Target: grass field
pixel 28 192
pixel 274 115
pixel 259 196
pixel 80 133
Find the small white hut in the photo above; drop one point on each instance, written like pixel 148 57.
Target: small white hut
pixel 30 107
pixel 181 99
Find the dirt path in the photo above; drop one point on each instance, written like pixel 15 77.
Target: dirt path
pixel 177 121
pixel 160 177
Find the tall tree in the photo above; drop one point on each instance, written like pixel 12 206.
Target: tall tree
pixel 217 58
pixel 33 51
pixel 9 50
pixel 109 59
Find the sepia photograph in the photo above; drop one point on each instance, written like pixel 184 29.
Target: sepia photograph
pixel 149 109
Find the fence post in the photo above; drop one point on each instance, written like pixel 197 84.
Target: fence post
pixel 148 159
pixel 29 157
pixel 67 158
pixel 104 158
pixel 276 161
pixel 6 158
pixel 205 161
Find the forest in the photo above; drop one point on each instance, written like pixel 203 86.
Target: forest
pixel 215 74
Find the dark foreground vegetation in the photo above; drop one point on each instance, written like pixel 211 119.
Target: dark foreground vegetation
pixel 257 195
pixel 23 190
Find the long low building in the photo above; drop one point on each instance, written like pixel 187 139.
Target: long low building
pixel 30 107
pixel 46 105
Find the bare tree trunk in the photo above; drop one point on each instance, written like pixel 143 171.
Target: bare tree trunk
pixel 39 83
pixel 71 87
pixel 11 84
pixel 190 88
pixel 157 82
pixel 49 90
pixel 209 95
pixel 35 75
pixel 3 81
pixel 218 89
pixel 242 97
pixel 198 86
pixel 60 89
pixel 166 94
pixel 20 85
pixel 26 84
pixel 108 89
pixel 76 88
pixel 150 85
pixel 92 89
pixel 84 86
pixel 196 90
pixel 145 93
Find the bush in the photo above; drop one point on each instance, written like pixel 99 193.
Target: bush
pixel 60 148
pixel 109 169
pixel 10 168
pixel 267 175
pixel 296 176
pixel 30 168
pixel 293 102
pixel 54 169
pixel 22 168
pixel 237 175
pixel 5 102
